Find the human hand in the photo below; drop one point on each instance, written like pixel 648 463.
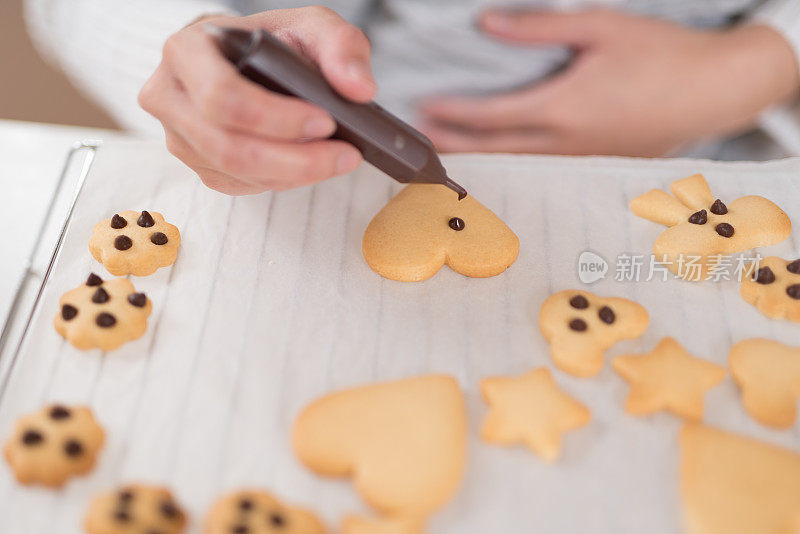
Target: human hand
pixel 237 136
pixel 636 86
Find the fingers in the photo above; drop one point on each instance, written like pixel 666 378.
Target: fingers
pixel 577 29
pixel 253 163
pixel 227 99
pixel 341 50
pixel 455 140
pixel 519 109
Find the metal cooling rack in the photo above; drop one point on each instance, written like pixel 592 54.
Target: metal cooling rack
pixel 87 149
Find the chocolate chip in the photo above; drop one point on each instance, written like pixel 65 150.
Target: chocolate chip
pixel 579 302
pixel 145 220
pixel 701 217
pixel 118 222
pixel 158 238
pixel 718 208
pixel 724 229
pixel 169 510
pixel 73 448
pixel 32 437
pixel 138 299
pixel 277 519
pixel 68 312
pixel 607 315
pixel 240 529
pixel 245 505
pixel 100 296
pixel 105 320
pixel 794 267
pixel 122 516
pixel 579 325
pixel 122 242
pixel 125 496
pixel 764 276
pixel 794 291
pixel 456 224
pixel 93 280
pixel 59 412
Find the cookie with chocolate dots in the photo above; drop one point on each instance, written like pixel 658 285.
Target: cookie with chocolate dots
pixel 135 243
pixel 258 512
pixel 581 326
pixel 102 314
pixel 135 509
pixel 50 446
pixel 702 229
pixel 774 288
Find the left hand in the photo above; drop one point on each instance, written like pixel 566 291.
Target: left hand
pixel 636 86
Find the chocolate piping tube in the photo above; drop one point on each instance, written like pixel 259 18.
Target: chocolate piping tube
pixel 385 141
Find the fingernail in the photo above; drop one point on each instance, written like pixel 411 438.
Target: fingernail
pixel 347 162
pixel 318 127
pixel 359 71
pixel 498 22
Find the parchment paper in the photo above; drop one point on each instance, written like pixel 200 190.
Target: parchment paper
pixel 270 305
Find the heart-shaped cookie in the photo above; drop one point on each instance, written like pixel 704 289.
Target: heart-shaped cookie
pixel 702 230
pixel 425 227
pixel 403 443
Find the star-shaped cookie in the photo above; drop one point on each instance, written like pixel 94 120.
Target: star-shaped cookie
pixel 703 229
pixel 530 409
pixel 768 374
pixel 668 378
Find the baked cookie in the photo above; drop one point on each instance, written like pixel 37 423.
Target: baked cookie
pixel 768 374
pixel 135 243
pixel 404 443
pixel 774 288
pixel 135 509
pixel 668 378
pixel 531 410
pixel 258 512
pixel 580 327
pixel 394 525
pixel 57 442
pixel 425 227
pixel 707 229
pixel 102 314
pixel 736 485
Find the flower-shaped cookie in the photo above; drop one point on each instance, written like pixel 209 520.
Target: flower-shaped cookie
pixel 258 512
pixel 56 443
pixel 580 326
pixel 135 243
pixel 102 314
pixel 425 227
pixel 135 508
pixel 774 288
pixel 703 230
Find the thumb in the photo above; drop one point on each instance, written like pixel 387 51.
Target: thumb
pixel 577 29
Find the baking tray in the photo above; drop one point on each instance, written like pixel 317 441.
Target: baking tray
pixel 270 305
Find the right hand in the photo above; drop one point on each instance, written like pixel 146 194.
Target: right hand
pixel 241 138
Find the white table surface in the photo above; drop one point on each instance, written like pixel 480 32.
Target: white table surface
pixel 270 305
pixel 31 157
